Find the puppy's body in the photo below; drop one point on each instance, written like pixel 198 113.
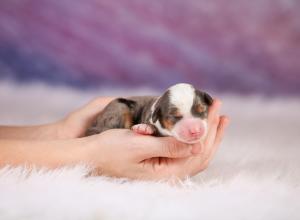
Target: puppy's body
pixel 180 112
pixel 123 113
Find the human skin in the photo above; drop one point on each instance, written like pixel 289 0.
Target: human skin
pixel 116 152
pixel 73 125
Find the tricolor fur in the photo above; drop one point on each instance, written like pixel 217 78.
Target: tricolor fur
pixel 180 112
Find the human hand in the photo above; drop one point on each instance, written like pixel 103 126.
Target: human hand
pixel 190 166
pixel 124 153
pixel 77 122
pixel 72 126
pixel 216 127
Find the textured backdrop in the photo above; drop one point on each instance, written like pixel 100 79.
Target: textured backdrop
pixel 240 46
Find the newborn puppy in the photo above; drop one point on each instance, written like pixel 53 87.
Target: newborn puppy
pixel 180 112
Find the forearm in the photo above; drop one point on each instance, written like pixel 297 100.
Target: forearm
pixel 37 132
pixel 50 154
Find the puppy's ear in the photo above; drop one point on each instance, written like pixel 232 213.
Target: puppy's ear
pixel 130 103
pixel 205 97
pixel 156 114
pixel 161 104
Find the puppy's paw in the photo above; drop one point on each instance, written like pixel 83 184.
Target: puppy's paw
pixel 144 129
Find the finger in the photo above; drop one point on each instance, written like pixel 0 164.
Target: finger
pixel 213 121
pixel 95 106
pixel 210 138
pixel 224 121
pixel 214 110
pixel 199 162
pixel 196 164
pixel 142 129
pixel 166 147
pixel 197 148
pixel 89 111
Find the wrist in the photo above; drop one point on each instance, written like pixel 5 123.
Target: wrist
pixel 35 132
pixel 67 152
pixel 75 151
pixel 41 153
pixel 91 152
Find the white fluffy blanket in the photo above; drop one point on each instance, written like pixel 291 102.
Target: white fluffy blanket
pixel 255 174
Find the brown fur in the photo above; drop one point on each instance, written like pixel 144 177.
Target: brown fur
pixel 167 124
pixel 200 108
pixel 126 112
pixel 128 122
pixel 123 113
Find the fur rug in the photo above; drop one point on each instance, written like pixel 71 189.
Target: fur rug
pixel 255 174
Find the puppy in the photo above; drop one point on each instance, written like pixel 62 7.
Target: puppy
pixel 180 112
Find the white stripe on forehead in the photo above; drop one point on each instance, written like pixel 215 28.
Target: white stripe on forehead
pixel 182 96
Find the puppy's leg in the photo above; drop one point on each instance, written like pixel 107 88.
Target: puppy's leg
pixel 145 129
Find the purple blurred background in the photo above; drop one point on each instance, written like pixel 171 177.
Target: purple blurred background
pixel 225 46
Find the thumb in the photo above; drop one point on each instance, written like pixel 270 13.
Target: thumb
pixel 168 147
pixel 95 106
pixel 88 112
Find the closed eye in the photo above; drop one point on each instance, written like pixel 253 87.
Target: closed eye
pixel 199 111
pixel 177 117
pixel 201 114
pixel 174 118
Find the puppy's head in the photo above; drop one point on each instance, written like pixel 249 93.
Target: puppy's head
pixel 182 112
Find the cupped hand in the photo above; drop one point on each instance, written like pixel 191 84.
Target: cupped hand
pixel 77 122
pixel 191 166
pixel 124 153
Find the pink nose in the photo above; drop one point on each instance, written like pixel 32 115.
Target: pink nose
pixel 196 131
pixel 190 129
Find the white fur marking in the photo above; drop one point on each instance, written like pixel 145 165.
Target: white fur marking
pixel 182 96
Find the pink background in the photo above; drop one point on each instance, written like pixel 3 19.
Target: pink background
pixel 232 46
